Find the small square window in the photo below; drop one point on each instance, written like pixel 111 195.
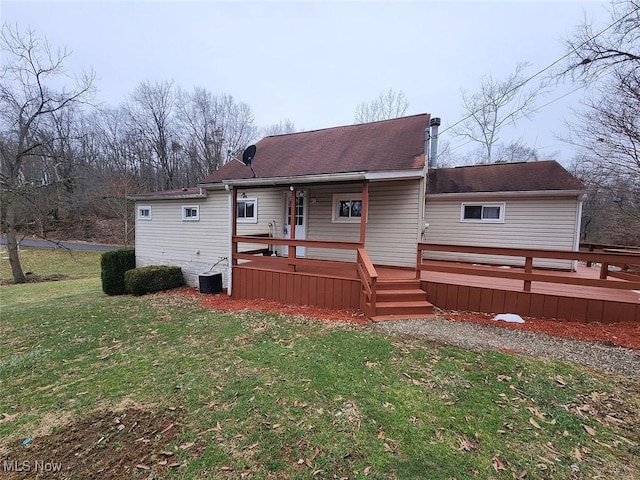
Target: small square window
pixel 491 213
pixel 473 212
pixel 347 208
pixel 477 212
pixel 191 213
pixel 247 210
pixel 144 212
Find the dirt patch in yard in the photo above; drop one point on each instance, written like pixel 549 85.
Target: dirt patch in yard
pixel 33 278
pixel 114 445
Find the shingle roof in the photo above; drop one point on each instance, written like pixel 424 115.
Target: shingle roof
pixel 503 177
pixel 388 145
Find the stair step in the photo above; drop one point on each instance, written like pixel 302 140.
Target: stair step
pixel 413 294
pixel 398 284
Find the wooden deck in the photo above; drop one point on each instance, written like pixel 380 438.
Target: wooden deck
pixel 545 288
pixel 452 291
pixel 336 285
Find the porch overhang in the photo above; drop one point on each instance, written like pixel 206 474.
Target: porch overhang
pixel 296 180
pixel 319 179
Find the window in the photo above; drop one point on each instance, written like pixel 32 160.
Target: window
pixel 247 210
pixel 480 212
pixel 347 208
pixel 144 212
pixel 191 213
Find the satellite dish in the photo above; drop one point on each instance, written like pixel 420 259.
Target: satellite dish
pixel 248 154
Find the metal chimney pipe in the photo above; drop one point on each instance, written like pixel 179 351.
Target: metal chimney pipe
pixel 434 123
pixel 427 136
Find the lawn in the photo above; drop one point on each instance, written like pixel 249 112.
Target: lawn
pixel 159 387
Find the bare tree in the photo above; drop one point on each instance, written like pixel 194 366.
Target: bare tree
pixel 515 152
pixel 608 215
pixel 151 113
pixel 283 127
pixel 239 125
pixel 119 172
pixel 607 129
pixel 212 126
pixel 616 47
pixel 496 104
pixel 30 66
pixel 390 104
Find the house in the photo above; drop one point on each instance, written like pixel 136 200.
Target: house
pixel 361 194
pixel 511 205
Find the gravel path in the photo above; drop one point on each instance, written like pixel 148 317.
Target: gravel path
pixel 475 335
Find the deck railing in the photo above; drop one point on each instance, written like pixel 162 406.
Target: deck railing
pixel 362 269
pixel 289 263
pixel 369 281
pixel 601 247
pixel 527 273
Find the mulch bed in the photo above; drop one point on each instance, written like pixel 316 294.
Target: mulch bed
pixel 624 334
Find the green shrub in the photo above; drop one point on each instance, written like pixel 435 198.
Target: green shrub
pixel 152 279
pixel 113 266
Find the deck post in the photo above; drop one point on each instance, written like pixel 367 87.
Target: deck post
pixel 292 223
pixel 364 212
pixel 604 270
pixel 528 268
pixel 234 224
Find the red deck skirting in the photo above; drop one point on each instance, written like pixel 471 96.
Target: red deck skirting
pixel 297 288
pixel 337 287
pixel 489 300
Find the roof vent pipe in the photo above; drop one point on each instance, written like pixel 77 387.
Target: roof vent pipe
pixel 434 123
pixel 427 136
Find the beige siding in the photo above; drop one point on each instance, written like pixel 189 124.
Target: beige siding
pixel 392 227
pixel 195 246
pixel 535 222
pixel 270 209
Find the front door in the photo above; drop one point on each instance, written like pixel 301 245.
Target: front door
pixel 301 222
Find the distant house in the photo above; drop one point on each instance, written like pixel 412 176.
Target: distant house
pixel 358 188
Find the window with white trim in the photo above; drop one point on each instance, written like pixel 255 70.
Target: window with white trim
pixel 247 210
pixel 482 212
pixel 191 213
pixel 144 212
pixel 347 208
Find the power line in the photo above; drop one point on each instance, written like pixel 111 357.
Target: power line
pixel 524 82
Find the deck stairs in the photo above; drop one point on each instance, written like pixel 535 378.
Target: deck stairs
pixel 400 299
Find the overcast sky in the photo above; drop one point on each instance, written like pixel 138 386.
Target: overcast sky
pixel 313 62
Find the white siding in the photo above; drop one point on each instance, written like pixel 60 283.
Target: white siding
pixel 392 227
pixel 535 222
pixel 195 246
pixel 168 240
